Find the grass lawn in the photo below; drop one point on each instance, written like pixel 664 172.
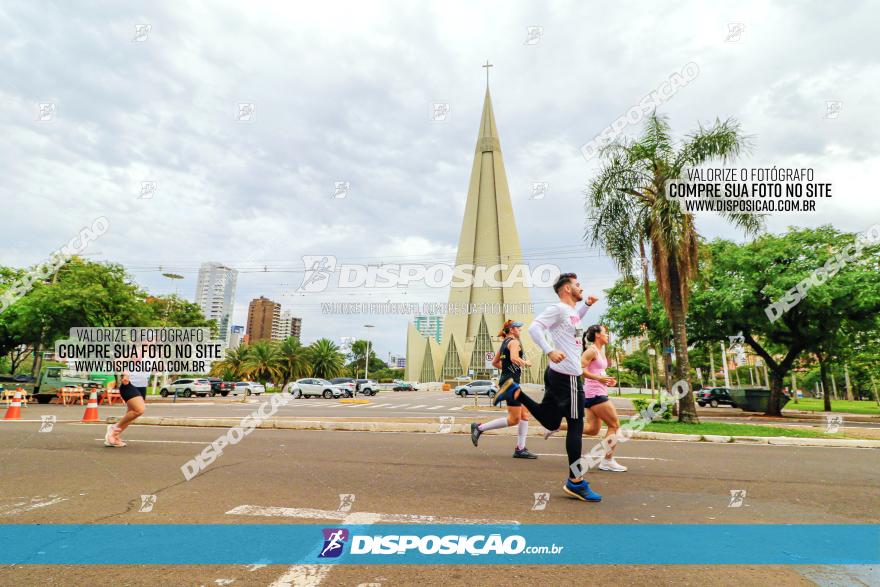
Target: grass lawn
pixel 724 429
pixel 818 405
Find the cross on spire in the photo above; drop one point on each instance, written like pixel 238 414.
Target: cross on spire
pixel 487 66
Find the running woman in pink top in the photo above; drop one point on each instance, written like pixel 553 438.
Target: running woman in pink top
pixel 596 405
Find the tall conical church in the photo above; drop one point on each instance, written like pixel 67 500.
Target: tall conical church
pixel 488 238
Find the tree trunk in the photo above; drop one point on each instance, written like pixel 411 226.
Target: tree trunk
pixel 645 282
pixel 823 377
pixel 38 360
pixel 776 378
pixel 687 408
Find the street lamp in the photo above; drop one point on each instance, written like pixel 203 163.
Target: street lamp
pixel 174 277
pixel 367 366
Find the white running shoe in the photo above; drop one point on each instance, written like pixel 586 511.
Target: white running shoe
pixel 611 465
pixel 549 433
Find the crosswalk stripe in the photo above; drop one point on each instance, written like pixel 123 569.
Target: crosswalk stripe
pixel 379 405
pixel 418 406
pixel 402 405
pixel 455 408
pixel 435 407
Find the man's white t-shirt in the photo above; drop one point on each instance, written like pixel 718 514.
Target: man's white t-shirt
pixel 561 322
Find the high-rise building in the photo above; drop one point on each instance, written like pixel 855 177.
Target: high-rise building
pixel 236 336
pixel 430 326
pixel 215 294
pixel 264 319
pixel 488 238
pixel 288 325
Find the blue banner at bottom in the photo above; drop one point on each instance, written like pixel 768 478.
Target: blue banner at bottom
pixel 533 544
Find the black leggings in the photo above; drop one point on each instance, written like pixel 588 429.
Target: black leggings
pixel 550 418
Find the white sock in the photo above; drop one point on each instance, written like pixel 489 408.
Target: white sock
pixel 493 425
pixel 522 429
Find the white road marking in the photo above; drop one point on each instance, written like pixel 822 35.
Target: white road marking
pixel 456 408
pixel 316 514
pixel 312 575
pixel 418 406
pixel 36 503
pixel 378 405
pixel 436 407
pixel 165 441
pixel 552 454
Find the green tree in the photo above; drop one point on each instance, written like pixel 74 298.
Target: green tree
pixel 263 362
pixel 740 282
pixel 628 206
pixel 327 362
pixel 233 365
pixel 294 360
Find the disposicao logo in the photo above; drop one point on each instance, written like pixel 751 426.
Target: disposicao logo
pixel 334 541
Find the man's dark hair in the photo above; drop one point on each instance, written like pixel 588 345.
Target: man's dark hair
pixel 562 280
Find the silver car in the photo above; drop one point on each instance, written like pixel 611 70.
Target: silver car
pixel 248 388
pixel 478 387
pixel 314 387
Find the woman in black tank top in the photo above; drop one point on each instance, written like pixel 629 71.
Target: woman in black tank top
pixel 510 359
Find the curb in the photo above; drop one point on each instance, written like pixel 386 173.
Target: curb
pixel 435 428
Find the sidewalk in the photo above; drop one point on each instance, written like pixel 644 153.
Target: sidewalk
pixel 433 426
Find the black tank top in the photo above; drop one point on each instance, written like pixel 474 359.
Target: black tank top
pixel 508 368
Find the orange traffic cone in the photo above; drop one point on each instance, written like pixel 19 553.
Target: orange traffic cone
pixel 24 401
pixel 91 414
pixel 14 410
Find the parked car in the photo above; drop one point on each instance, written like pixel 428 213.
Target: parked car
pixel 714 397
pixel 348 383
pixel 187 387
pixel 248 388
pixel 478 387
pixel 404 386
pixel 368 386
pixel 312 387
pixel 220 386
pixel 19 378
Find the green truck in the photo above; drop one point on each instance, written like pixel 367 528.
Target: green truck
pixel 54 378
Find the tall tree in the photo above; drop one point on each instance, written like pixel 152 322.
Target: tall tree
pixel 263 362
pixel 293 358
pixel 327 362
pixel 628 205
pixel 739 285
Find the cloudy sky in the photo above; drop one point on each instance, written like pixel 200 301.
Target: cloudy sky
pixel 344 92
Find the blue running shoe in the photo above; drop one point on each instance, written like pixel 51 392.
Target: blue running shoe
pixel 581 491
pixel 506 392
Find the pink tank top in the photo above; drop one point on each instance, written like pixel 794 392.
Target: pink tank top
pixel 593 388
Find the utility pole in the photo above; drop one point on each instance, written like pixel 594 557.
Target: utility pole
pixel 724 366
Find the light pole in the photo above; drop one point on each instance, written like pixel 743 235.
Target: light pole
pixel 174 277
pixel 367 361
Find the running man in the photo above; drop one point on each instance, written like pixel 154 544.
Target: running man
pixel 510 359
pixel 562 379
pixel 134 392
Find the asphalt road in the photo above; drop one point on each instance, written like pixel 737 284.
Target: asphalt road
pixel 387 405
pixel 67 476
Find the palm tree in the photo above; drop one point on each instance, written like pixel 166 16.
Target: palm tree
pixel 232 364
pixel 263 362
pixel 628 206
pixel 327 361
pixel 293 359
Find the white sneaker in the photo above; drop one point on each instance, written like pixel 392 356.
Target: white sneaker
pixel 611 465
